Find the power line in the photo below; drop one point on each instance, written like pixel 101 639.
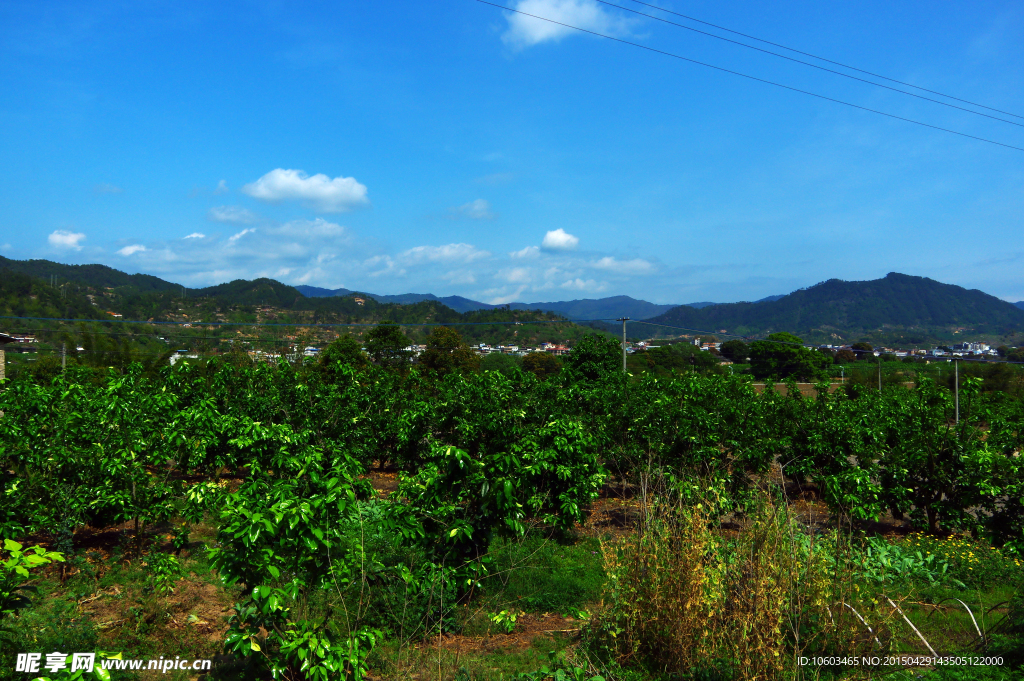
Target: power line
pixel 807 63
pixel 814 56
pixel 755 78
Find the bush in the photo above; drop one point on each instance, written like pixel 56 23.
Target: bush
pixel 595 357
pixel 686 600
pixel 971 562
pixel 500 362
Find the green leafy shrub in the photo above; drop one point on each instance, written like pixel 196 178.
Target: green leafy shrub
pixel 15 572
pixel 971 562
pixel 886 564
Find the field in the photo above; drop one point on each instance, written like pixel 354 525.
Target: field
pixel 343 519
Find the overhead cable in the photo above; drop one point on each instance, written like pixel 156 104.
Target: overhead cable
pixel 824 59
pixel 754 78
pixel 807 63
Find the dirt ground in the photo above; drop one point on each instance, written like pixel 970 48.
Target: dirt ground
pixel 528 628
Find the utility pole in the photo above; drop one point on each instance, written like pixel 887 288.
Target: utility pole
pixel 63 356
pixel 956 387
pixel 879 373
pixel 623 320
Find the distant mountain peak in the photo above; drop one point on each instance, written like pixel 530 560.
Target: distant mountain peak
pixel 894 301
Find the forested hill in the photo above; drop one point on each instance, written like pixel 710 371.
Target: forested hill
pixel 587 308
pixel 599 308
pixel 97 276
pixel 845 308
pixel 457 303
pixel 27 302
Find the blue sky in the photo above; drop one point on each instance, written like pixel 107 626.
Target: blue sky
pixel 454 148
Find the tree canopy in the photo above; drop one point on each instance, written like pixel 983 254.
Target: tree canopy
pixel 735 351
pixel 782 356
pixel 387 345
pixel 446 352
pixel 594 357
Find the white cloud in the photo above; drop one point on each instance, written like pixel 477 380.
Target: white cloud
pixel 559 240
pixel 310 229
pixel 583 285
pixel 232 214
pixel 386 265
pixel 64 239
pixel 475 210
pixel 634 266
pixel 5 247
pixel 495 179
pixel 129 250
pixel 517 275
pixel 524 31
pixel 528 252
pixel 238 236
pixel 105 188
pixel 448 253
pixel 222 188
pixel 314 251
pixel 506 298
pixel 319 192
pixel 459 277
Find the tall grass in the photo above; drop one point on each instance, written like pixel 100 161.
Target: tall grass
pixel 687 598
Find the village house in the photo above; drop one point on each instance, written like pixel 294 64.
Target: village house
pixel 4 340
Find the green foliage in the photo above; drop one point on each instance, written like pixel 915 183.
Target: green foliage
pixel 57 627
pixel 447 353
pixel 15 573
pixel 886 564
pixel 281 539
pixel 386 345
pixel 971 563
pixel 844 356
pixel 345 350
pixel 456 504
pixel 676 358
pixel 505 620
pixel 735 351
pixel 594 357
pixel 496 464
pixel 500 362
pixel 541 364
pixel 559 668
pixel 782 356
pixel 540 575
pixel 164 570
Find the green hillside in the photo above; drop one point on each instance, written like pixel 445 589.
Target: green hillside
pixel 121 324
pixel 25 296
pixel 97 276
pixel 896 306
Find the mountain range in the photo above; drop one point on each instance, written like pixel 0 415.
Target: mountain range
pixel 612 307
pixel 843 309
pixel 278 294
pixel 899 305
